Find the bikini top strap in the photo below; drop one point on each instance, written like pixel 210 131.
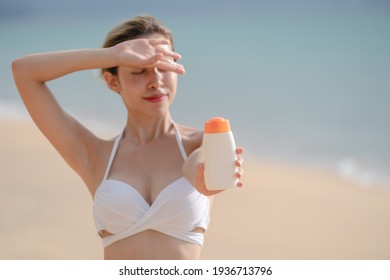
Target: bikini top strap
pixel 180 143
pixel 112 156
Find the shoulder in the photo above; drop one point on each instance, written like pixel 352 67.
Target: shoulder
pixel 192 137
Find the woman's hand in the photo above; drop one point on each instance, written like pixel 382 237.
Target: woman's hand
pixel 200 184
pixel 144 53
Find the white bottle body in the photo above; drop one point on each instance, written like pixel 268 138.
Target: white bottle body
pixel 219 156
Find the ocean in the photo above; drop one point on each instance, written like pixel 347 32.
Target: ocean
pixel 302 82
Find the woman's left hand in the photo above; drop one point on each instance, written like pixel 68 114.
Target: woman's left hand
pixel 200 183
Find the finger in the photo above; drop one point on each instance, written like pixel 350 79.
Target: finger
pixel 152 60
pixel 239 150
pixel 169 53
pixel 239 173
pixel 239 161
pixel 170 66
pixel 200 181
pixel 155 42
pixel 200 171
pixel 164 46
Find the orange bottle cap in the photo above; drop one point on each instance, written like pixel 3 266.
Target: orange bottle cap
pixel 217 125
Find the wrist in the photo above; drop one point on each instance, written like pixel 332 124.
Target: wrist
pixel 111 57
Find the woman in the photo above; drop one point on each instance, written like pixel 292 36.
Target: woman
pixel 142 182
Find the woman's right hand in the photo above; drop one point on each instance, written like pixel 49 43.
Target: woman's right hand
pixel 149 52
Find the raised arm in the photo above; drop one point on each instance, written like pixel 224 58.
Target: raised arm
pixel 74 142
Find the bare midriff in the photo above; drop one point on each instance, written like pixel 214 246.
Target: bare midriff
pixel 150 244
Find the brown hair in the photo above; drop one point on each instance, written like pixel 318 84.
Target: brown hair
pixel 134 28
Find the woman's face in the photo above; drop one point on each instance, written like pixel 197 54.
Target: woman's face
pixel 150 90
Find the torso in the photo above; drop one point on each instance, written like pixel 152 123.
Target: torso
pixel 148 174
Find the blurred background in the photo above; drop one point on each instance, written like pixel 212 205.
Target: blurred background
pixel 301 81
pixel 304 83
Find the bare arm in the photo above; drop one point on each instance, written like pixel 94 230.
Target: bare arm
pixel 74 142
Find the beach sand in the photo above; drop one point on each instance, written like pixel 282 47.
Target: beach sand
pixel 283 211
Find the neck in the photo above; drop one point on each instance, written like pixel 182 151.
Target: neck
pixel 145 130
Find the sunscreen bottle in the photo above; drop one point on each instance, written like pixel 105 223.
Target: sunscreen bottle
pixel 219 155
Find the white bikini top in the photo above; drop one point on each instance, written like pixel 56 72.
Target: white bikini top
pixel 178 209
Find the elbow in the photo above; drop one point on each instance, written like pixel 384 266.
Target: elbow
pixel 23 72
pixel 22 75
pixel 17 68
pixel 15 65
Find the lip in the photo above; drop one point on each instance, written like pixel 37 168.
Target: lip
pixel 156 98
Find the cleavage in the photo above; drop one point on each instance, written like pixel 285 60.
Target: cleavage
pixel 148 169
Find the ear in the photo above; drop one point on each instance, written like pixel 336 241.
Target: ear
pixel 112 82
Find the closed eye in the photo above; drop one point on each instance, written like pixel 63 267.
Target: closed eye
pixel 138 71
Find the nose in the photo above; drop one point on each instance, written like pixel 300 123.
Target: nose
pixel 155 79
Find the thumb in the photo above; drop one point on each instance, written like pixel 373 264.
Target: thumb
pixel 200 172
pixel 200 181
